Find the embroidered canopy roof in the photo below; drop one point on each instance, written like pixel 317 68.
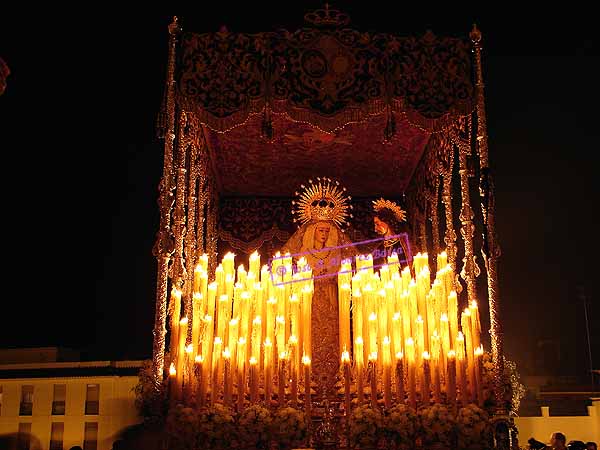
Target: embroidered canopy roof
pixel 280 107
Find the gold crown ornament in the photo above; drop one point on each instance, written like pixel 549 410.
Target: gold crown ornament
pixel 399 213
pixel 323 199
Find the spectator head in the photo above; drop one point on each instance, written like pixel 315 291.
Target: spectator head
pixel 558 440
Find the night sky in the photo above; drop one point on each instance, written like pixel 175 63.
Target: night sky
pixel 82 165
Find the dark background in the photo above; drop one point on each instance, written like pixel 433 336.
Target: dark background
pixel 82 165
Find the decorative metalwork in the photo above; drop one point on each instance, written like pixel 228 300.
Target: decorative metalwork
pixel 450 234
pixel 470 270
pixel 163 247
pixel 435 224
pixel 490 248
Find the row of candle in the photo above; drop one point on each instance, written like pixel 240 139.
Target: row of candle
pixel 246 331
pixel 415 322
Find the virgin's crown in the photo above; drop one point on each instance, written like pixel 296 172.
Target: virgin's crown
pixel 322 200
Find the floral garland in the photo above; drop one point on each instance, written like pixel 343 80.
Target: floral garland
pixel 182 424
pixel 436 425
pixel 473 428
pixel 215 427
pixel 254 427
pixel 400 425
pixel 365 426
pixel 289 425
pixel 512 388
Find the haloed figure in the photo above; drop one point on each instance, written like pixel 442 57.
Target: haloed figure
pixel 389 222
pixel 321 242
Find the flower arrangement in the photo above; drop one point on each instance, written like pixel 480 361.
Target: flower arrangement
pixel 473 428
pixel 182 427
pixel 215 427
pixel 436 425
pixel 400 425
pixel 512 388
pixel 365 426
pixel 151 403
pixel 254 427
pixel 289 426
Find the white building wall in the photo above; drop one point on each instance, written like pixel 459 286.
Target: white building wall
pixel 116 409
pixel 580 428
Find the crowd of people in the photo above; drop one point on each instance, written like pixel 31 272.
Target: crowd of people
pixel 558 441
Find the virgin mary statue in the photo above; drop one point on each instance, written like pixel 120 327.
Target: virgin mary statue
pixel 322 209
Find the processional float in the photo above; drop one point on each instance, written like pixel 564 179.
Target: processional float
pixel 246 119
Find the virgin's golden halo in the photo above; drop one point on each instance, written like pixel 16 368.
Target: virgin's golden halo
pixel 380 204
pixel 323 199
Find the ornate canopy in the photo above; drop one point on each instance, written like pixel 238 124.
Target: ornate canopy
pixel 357 106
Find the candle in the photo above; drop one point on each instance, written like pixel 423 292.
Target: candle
pixel 223 316
pixel 219 280
pixel 173 385
pixel 387 372
pixel 435 367
pixel 465 322
pixel 478 368
pixel 268 345
pixel 307 395
pixel 400 394
pixel 280 334
pixel 475 324
pixel 183 323
pixel 228 264
pixel 256 337
pixel 347 381
pixel 201 390
pixel 232 340
pixel 281 379
pixel 254 263
pixel 410 356
pixel 216 363
pixel 344 315
pixel 445 336
pixel 211 296
pixel 203 262
pixel 294 368
pixel 460 368
pixel 196 315
pixel 442 260
pixel 227 377
pixel 241 275
pixel 425 380
pixel 372 333
pixel 420 344
pixel 241 369
pixel 451 380
pixel 229 287
pixel 294 315
pixel 188 378
pixel 175 308
pixel 396 333
pixel 373 377
pixel 359 362
pixel 253 380
pixel 207 342
pixel 453 316
pixel 270 322
pixel 197 275
pixel 307 293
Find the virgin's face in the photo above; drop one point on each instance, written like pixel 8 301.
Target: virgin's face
pixel 322 232
pixel 380 226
